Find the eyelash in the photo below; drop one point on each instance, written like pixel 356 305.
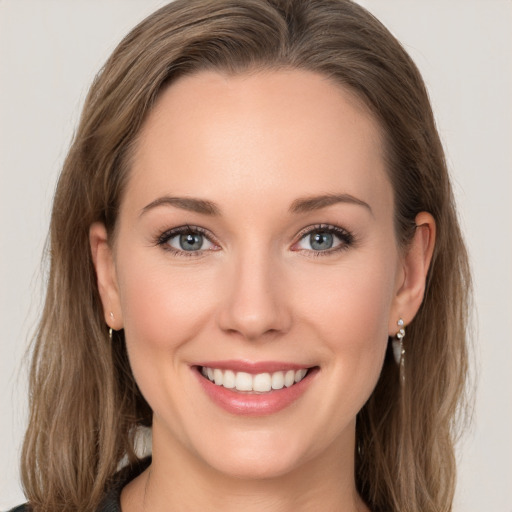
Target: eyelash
pixel 163 239
pixel 346 238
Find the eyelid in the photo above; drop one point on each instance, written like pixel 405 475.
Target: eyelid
pixel 346 238
pixel 163 239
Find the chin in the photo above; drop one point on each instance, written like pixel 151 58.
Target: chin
pixel 256 465
pixel 256 455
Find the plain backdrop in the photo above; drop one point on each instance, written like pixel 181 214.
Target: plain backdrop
pixel 49 53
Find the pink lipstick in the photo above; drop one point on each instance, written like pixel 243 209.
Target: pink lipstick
pixel 254 388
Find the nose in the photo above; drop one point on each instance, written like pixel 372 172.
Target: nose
pixel 256 303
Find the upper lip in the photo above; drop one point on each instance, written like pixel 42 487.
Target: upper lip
pixel 253 367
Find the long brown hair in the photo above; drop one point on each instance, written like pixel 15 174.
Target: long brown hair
pixel 85 406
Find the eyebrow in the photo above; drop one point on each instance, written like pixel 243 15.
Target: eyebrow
pixel 308 204
pixel 301 205
pixel 185 203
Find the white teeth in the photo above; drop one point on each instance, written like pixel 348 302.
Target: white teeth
pixel 217 377
pixel 243 381
pixel 278 380
pixel 289 378
pixel 229 379
pixel 260 383
pixel 300 374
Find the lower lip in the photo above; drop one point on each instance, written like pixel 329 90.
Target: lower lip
pixel 255 404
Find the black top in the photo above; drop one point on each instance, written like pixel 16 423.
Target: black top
pixel 112 500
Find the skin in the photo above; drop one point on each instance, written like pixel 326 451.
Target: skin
pixel 253 145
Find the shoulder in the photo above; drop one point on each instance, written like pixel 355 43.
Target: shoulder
pixel 111 501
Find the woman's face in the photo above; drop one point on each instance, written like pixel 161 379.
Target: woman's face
pixel 255 243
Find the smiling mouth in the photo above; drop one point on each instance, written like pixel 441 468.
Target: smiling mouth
pixel 258 383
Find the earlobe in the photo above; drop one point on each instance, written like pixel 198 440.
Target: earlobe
pixel 103 261
pixel 415 263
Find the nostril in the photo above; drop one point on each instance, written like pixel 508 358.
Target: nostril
pixel 253 307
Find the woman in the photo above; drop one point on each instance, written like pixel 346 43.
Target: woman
pixel 253 224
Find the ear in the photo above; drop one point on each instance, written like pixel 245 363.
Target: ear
pixel 412 278
pixel 103 260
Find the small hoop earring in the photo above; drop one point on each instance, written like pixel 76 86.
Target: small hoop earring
pixel 398 348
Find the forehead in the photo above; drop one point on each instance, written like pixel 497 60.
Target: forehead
pixel 261 135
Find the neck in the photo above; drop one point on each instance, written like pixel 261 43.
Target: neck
pixel 179 480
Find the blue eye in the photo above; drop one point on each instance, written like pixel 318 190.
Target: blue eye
pixel 321 241
pixel 186 240
pixel 324 239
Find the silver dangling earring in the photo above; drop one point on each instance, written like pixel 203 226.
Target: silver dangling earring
pixel 398 348
pixel 110 330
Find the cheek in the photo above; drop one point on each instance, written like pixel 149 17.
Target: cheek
pixel 358 297
pixel 159 301
pixel 164 308
pixel 349 308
